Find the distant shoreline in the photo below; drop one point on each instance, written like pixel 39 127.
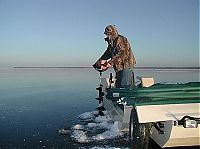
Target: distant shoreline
pixel 49 67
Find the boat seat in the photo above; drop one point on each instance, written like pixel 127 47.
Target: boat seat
pixel 147 82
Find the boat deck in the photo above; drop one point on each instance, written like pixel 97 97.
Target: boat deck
pixel 157 94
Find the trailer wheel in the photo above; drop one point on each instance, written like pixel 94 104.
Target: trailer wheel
pixel 139 133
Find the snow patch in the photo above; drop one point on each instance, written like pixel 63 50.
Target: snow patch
pixel 103 127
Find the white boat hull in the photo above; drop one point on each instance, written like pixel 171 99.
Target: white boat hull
pixel 174 135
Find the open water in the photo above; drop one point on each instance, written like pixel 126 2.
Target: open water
pixel 35 103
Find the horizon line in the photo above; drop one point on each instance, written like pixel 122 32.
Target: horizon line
pixel 137 67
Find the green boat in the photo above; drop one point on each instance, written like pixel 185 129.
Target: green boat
pixel 167 113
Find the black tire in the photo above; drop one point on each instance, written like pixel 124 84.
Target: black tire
pixel 139 133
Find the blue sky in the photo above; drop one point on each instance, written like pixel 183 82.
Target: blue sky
pixel 70 32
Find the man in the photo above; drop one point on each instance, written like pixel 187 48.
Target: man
pixel 118 55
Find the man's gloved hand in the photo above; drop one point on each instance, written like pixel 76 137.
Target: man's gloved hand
pixel 101 65
pixel 105 66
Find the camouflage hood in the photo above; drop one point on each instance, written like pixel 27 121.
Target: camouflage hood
pixel 112 31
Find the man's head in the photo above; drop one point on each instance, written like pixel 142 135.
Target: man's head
pixel 111 32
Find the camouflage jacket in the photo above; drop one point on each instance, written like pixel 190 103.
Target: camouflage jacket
pixel 120 53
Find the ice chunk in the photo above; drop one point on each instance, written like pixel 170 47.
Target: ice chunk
pixel 80 136
pixel 108 128
pixel 88 115
pixel 78 127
